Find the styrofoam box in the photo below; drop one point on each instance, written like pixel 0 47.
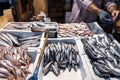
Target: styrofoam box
pixel 88 64
pixel 47 25
pixel 26 34
pixel 81 74
pixel 34 59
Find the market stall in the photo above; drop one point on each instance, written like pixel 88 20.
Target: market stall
pixel 79 51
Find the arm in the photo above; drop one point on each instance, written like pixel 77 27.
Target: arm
pixel 94 9
pixel 103 15
pixel 112 8
pixel 88 5
pixel 114 12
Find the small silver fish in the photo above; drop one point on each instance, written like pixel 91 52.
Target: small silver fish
pixel 13 38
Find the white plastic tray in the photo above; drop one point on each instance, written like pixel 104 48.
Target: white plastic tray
pixel 88 64
pixel 26 34
pixel 81 74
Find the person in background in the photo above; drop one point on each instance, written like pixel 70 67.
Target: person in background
pixel 4 4
pixel 93 10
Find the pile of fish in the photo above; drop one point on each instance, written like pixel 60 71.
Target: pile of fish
pixel 59 56
pixel 104 54
pixel 73 30
pixel 7 39
pixel 18 26
pixel 14 63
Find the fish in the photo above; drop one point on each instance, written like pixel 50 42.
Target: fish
pixel 102 68
pixel 47 68
pixel 9 64
pixel 31 44
pixel 69 68
pixel 75 68
pixel 3 43
pixel 13 38
pixel 8 38
pixel 3 75
pixel 5 40
pixel 100 74
pixel 3 64
pixel 114 71
pixel 4 71
pixel 72 30
pixel 63 57
pixel 115 52
pixel 58 57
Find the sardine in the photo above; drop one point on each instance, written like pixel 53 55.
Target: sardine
pixel 69 68
pixel 3 64
pixel 102 68
pixel 58 57
pixel 59 46
pixel 99 73
pixel 8 38
pixel 75 68
pixel 3 43
pixel 115 52
pixel 9 64
pixel 5 40
pixel 13 38
pixel 55 70
pixel 3 75
pixel 114 69
pixel 4 71
pixel 46 68
pixel 29 38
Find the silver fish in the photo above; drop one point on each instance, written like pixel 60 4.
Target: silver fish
pixel 4 39
pixel 99 73
pixel 69 68
pixel 3 43
pixel 8 39
pixel 3 75
pixel 59 46
pixel 3 64
pixel 9 64
pixel 4 71
pixel 115 52
pixel 29 38
pixel 46 68
pixel 55 70
pixel 13 38
pixel 75 68
pixel 101 68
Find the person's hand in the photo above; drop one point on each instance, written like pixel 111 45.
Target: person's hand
pixel 105 17
pixel 114 14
